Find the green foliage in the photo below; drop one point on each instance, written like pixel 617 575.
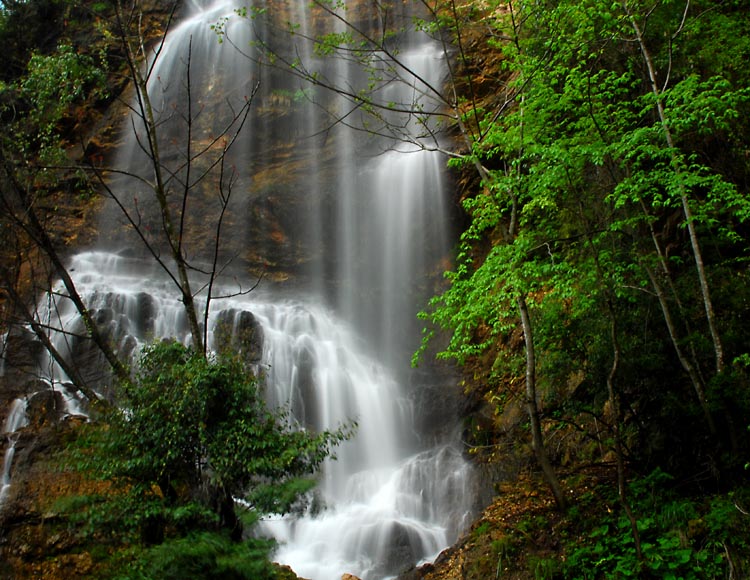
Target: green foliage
pixel 201 555
pixel 543 568
pixel 191 436
pixel 680 538
pixel 328 44
pixel 582 212
pixel 52 85
pixel 40 108
pixel 481 529
pixel 27 26
pixel 187 419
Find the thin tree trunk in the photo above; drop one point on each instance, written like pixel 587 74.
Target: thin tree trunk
pixel 102 343
pixel 34 228
pixel 159 187
pixel 684 361
pixel 613 396
pixel 532 408
pixel 614 402
pixel 42 334
pixel 676 166
pixel 664 263
pixel 537 440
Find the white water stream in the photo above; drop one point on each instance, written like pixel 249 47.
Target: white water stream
pixel 338 335
pixel 16 420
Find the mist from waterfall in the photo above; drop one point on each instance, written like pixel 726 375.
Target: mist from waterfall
pixel 344 231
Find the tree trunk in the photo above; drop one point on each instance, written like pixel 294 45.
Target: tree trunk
pixel 614 402
pixel 159 187
pixel 692 372
pixel 613 395
pixel 537 440
pixel 676 166
pixel 42 333
pixel 30 224
pixel 228 516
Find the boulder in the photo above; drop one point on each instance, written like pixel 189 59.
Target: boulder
pixel 21 353
pixel 238 331
pixel 45 408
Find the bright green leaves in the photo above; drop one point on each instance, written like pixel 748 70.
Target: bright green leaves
pixel 329 44
pixel 589 176
pixel 680 538
pixel 51 100
pixel 700 108
pixel 54 82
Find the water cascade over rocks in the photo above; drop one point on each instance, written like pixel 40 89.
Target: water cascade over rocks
pixel 345 232
pixel 15 420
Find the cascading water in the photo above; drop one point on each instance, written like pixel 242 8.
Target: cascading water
pixel 16 420
pixel 348 228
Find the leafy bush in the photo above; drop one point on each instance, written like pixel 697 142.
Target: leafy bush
pixel 191 436
pixel 54 83
pixel 680 538
pixel 202 555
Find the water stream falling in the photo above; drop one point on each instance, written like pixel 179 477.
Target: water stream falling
pixel 16 420
pixel 348 229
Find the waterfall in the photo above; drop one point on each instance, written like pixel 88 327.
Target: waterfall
pixel 16 420
pixel 343 229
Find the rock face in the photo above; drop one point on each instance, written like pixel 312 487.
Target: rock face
pixel 239 332
pixel 20 355
pixel 45 409
pixel 22 350
pixel 32 541
pixel 119 319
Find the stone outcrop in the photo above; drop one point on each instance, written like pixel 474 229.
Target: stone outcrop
pixel 238 331
pixel 32 541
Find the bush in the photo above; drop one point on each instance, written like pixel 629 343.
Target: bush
pixel 192 435
pixel 685 538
